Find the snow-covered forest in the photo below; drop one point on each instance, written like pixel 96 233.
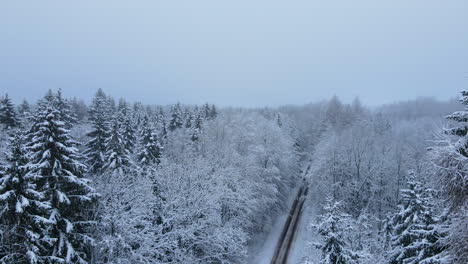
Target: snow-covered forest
pixel 111 181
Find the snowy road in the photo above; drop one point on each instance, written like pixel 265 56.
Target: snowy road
pixel 279 244
pixel 288 233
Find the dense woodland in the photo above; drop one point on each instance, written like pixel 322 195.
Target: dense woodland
pixel 119 182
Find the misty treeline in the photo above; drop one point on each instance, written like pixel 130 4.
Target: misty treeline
pixel 392 181
pixel 147 184
pixel 114 182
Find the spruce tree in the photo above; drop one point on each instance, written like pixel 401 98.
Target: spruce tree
pixel 197 126
pixel 206 111
pixel 150 152
pixel 462 130
pixel 8 115
pixel 99 114
pixel 176 121
pixel 333 227
pixel 64 107
pixel 213 112
pixel 117 155
pixel 24 213
pixel 112 104
pixel 126 126
pixel 450 158
pixel 188 118
pixel 47 100
pixel 162 125
pixel 415 228
pixel 54 158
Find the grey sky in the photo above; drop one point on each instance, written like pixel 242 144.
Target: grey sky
pixel 242 52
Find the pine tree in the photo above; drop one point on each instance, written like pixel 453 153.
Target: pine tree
pixel 55 160
pixel 112 104
pixel 64 107
pixel 415 228
pixel 8 115
pixel 188 118
pixel 206 111
pixel 176 121
pixel 47 100
pixel 197 126
pixel 117 155
pixel 23 214
pixel 137 113
pixel 462 130
pixel 96 146
pixel 150 152
pixel 213 112
pixel 126 126
pixel 162 125
pixel 333 227
pixel 450 158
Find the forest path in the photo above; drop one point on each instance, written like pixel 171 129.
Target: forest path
pixel 289 231
pixel 263 252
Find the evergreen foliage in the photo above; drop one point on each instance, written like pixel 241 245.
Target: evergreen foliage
pixel 150 152
pixel 416 233
pixel 333 226
pixel 54 159
pixel 117 155
pixel 24 213
pixel 8 116
pixel 176 121
pixel 99 114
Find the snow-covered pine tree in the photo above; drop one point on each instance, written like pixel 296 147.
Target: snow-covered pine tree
pixel 415 228
pixel 96 147
pixel 403 223
pixel 197 126
pixel 432 232
pixel 23 215
pixel 8 116
pixel 64 107
pixel 462 130
pixel 150 152
pixel 117 155
pixel 54 158
pixel 126 126
pixel 213 112
pixel 450 158
pixel 176 121
pixel 162 125
pixel 206 111
pixel 112 104
pixel 137 113
pixel 333 226
pixel 188 118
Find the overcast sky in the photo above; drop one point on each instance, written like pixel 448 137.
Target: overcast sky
pixel 239 52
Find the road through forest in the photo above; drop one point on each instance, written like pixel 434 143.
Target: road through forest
pixel 288 233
